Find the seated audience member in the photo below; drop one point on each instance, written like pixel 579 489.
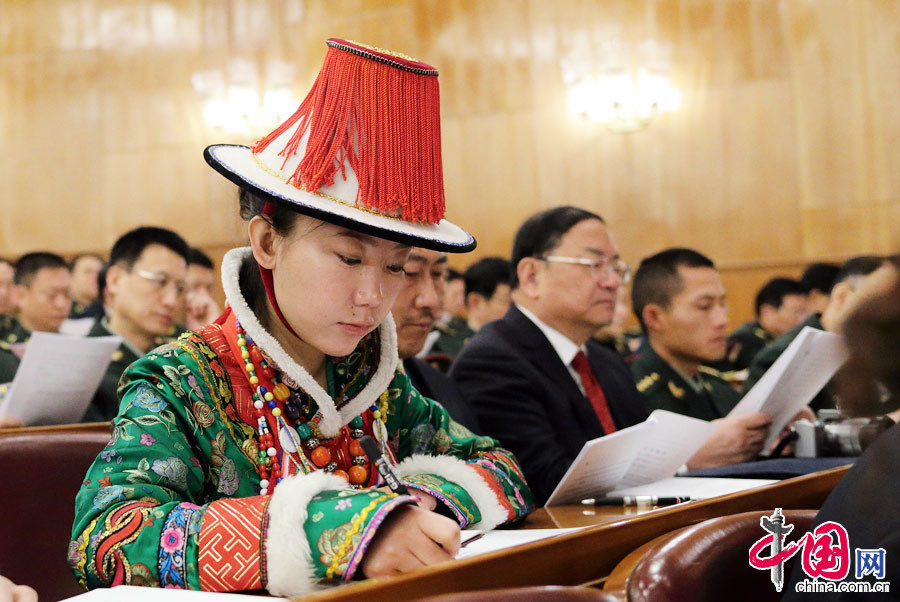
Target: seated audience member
pixel 7 288
pixel 10 592
pixel 818 279
pixel 7 296
pixel 487 299
pixel 615 336
pixel 454 297
pixel 144 292
pixel 843 298
pixel 535 380
pixel 415 311
pixel 679 299
pixel 779 306
pixel 42 283
pixel 201 307
pixel 861 500
pixel 85 292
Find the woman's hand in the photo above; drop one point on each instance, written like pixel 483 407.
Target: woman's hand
pixel 10 592
pixel 410 538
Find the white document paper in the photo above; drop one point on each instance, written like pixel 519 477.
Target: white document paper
pixel 797 375
pixel 695 488
pixel 57 378
pixel 134 593
pixel 500 539
pixel 637 455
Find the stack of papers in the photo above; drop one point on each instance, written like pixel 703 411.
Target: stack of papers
pixel 57 378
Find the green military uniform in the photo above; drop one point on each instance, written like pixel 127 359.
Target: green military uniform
pixel 454 335
pixel 771 352
pixel 9 363
pixel 12 331
pixel 105 404
pixel 706 397
pixel 81 310
pixel 744 343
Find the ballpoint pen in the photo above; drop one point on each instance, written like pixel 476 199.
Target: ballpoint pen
pixel 636 500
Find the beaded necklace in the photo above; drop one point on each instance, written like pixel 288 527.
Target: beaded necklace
pixel 284 412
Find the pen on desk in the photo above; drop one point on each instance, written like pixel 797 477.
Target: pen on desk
pixel 636 500
pixel 469 540
pixel 383 466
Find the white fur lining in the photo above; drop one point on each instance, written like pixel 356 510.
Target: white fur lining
pixel 332 420
pixel 457 471
pixel 289 564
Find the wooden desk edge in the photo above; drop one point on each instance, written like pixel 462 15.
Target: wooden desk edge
pixel 585 555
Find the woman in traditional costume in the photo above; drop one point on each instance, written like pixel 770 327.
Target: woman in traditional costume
pixel 235 462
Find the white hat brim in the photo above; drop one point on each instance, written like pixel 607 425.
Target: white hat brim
pixel 236 163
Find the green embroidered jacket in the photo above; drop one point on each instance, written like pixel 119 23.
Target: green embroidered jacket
pixel 173 499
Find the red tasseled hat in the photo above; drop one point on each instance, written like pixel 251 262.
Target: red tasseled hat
pixel 363 150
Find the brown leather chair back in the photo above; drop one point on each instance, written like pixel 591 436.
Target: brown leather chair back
pixel 709 561
pixel 41 474
pixel 544 593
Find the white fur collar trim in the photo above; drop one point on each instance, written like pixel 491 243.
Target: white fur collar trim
pixel 332 419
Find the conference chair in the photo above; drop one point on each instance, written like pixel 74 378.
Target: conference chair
pixel 42 470
pixel 705 562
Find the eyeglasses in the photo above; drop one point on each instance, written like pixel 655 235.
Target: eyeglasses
pixel 162 281
pixel 599 268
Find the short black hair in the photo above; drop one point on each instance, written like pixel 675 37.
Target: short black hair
pixel 542 232
pixel 862 265
pixel 486 274
pixel 820 277
pixel 775 290
pixel 30 264
pixel 130 245
pixel 657 279
pixel 198 257
pixel 453 275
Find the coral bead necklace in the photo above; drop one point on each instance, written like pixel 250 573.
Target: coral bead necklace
pixel 285 413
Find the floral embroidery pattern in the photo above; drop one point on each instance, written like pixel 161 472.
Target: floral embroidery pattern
pixel 147 398
pixel 172 544
pixel 147 439
pixel 173 469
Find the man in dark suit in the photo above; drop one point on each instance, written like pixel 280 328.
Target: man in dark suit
pixel 415 311
pixel 533 378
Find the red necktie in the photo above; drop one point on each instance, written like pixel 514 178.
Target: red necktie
pixel 594 391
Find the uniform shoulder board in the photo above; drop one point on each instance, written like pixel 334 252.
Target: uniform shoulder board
pixel 675 390
pixel 647 382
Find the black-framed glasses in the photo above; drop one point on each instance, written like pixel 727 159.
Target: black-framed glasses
pixel 599 267
pixel 162 281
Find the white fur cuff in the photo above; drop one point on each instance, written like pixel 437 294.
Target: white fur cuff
pixel 459 472
pixel 288 560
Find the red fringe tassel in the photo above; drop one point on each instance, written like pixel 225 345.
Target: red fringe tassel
pixel 385 121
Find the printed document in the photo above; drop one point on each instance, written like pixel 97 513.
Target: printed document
pixel 797 375
pixel 57 378
pixel 652 450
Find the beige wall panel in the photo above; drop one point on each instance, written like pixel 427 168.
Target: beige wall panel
pixel 784 148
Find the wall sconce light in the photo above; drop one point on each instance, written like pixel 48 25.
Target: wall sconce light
pixel 623 99
pixel 236 100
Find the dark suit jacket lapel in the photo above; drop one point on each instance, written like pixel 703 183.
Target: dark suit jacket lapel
pixel 543 357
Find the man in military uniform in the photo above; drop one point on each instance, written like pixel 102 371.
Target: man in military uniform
pixel 852 278
pixel 145 292
pixel 780 305
pixel 42 282
pixel 487 299
pixel 679 299
pixel 85 289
